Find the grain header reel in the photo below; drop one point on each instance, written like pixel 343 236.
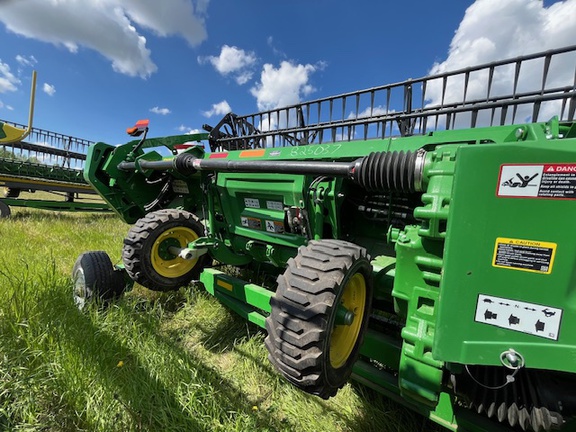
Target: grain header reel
pixel 418 234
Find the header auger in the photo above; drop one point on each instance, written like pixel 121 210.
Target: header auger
pixel 419 234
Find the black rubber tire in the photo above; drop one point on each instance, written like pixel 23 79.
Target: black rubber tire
pixel 138 246
pixel 4 210
pixel 11 192
pixel 303 314
pixel 95 279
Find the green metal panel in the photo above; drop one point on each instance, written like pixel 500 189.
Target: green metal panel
pixel 248 300
pixel 487 308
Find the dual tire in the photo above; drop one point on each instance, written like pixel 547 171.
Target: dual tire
pixel 319 312
pixel 95 279
pixel 146 257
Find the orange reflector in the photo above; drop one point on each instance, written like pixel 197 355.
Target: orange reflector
pixel 138 128
pixel 142 123
pixel 224 285
pixel 252 153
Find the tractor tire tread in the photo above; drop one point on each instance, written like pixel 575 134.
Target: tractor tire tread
pixel 137 237
pixel 300 312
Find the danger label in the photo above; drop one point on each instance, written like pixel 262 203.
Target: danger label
pixel 552 181
pixel 530 318
pixel 525 255
pixel 274 226
pixel 558 181
pixel 250 222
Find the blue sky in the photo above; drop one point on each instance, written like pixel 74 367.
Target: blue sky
pixel 103 64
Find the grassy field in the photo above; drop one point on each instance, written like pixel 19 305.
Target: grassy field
pixel 151 362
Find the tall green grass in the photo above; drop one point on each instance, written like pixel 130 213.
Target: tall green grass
pixel 150 362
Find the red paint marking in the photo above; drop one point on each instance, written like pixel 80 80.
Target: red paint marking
pixel 218 155
pixel 142 123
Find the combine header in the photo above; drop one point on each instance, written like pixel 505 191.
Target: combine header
pixel 49 161
pixel 417 233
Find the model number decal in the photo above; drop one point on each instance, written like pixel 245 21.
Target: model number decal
pixel 315 150
pixel 525 255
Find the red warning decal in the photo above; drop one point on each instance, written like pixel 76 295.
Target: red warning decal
pixel 560 168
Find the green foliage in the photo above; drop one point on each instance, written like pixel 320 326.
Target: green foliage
pixel 5 154
pixel 175 361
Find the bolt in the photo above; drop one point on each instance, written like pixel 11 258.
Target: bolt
pixel 349 318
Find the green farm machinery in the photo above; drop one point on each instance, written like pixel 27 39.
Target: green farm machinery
pixel 48 161
pixel 414 237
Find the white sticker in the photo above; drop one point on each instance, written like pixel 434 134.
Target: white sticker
pixel 530 318
pixel 274 205
pixel 250 222
pixel 520 180
pixel 274 226
pixel 547 181
pixel 251 203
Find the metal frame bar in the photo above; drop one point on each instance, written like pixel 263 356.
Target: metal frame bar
pixel 485 95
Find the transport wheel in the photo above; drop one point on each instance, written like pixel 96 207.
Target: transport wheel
pixel 319 315
pixel 146 254
pixel 95 279
pixel 4 210
pixel 11 192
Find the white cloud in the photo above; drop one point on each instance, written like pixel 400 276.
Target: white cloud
pixel 8 107
pixel 161 111
pixel 107 26
pixel 169 17
pixel 272 44
pixel 369 112
pixel 8 81
pixel 283 86
pixel 221 108
pixel 49 89
pixel 494 30
pixel 188 130
pixel 233 61
pixel 26 61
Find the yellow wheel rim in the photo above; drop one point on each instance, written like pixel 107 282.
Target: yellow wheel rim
pixel 174 267
pixel 344 336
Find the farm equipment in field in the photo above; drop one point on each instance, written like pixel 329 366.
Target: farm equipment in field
pixel 49 162
pixel 418 234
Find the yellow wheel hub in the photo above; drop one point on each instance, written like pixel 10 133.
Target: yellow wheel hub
pixel 351 308
pixel 173 267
